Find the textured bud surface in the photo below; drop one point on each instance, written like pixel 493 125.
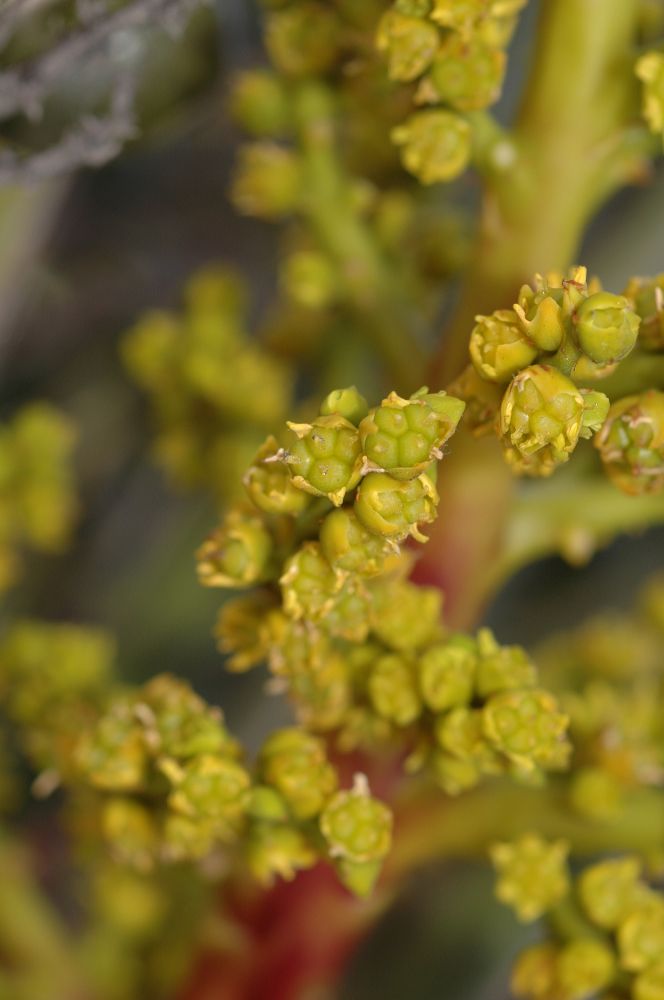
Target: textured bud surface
pixel 435 145
pixel 631 443
pixel 532 874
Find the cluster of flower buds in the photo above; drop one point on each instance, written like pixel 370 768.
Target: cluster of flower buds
pixel 174 787
pixel 213 389
pixel 359 648
pixel 609 674
pixel 52 679
pixel 455 53
pixel 529 368
pixel 610 941
pixel 38 503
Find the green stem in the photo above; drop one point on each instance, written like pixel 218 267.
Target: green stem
pixel 371 286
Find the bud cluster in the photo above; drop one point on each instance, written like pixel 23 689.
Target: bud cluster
pixel 213 390
pixel 455 54
pixel 537 358
pixel 360 649
pixel 38 504
pixel 610 941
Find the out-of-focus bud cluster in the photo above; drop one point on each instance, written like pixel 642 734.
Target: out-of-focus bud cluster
pixel 609 674
pixel 650 71
pixel 531 366
pixel 452 56
pixel 213 390
pixel 361 650
pixel 606 927
pixel 176 788
pixel 38 503
pixel 53 678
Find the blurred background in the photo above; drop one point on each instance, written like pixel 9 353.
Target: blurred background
pixel 85 248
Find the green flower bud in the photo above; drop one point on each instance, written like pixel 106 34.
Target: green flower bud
pixel 610 890
pixel 303 40
pixel 540 420
pixel 410 44
pixel 293 646
pixel 650 70
pixel 467 75
pixel 641 935
pixel 324 457
pixel 631 443
pixel 403 436
pixel 267 182
pixel 278 851
pixel 405 617
pixel 527 727
pixel 310 279
pixel 178 722
pixel 130 830
pixel 113 756
pixel 540 313
pixel 348 546
pixel 393 691
pixel 606 327
pixel 269 484
pixel 267 805
pixel 356 826
pixel 534 973
pixel 323 695
pixel 498 347
pixel 238 630
pixel 347 403
pixel 595 411
pixel 435 145
pixel 394 508
pixel 309 585
pixel 454 774
pixel 460 15
pixel 460 732
pixel 348 615
pixel 237 554
pixel 584 967
pixel 188 839
pixel 532 874
pixel 210 787
pixel 294 762
pixel 502 668
pixel 649 985
pixel 647 294
pixel 447 674
pixel 260 103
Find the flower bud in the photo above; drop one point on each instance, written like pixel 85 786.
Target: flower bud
pixel 324 457
pixel 647 294
pixel 405 617
pixel 608 891
pixel 501 668
pixel 534 973
pixel 631 443
pixel 303 40
pixel 237 554
pixel 278 850
pixel 404 436
pixel 532 874
pixel 269 483
pixel 409 43
pixel 267 182
pixel 447 674
pixel 294 762
pixel 310 279
pixel 212 787
pixel 606 327
pixel 540 420
pixel 260 103
pixel 395 508
pixel 393 691
pixel 435 145
pixel 527 727
pixel 349 546
pixel 309 585
pixel 356 826
pixel 498 346
pixel 595 411
pixel 641 935
pixel 347 403
pixel 467 75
